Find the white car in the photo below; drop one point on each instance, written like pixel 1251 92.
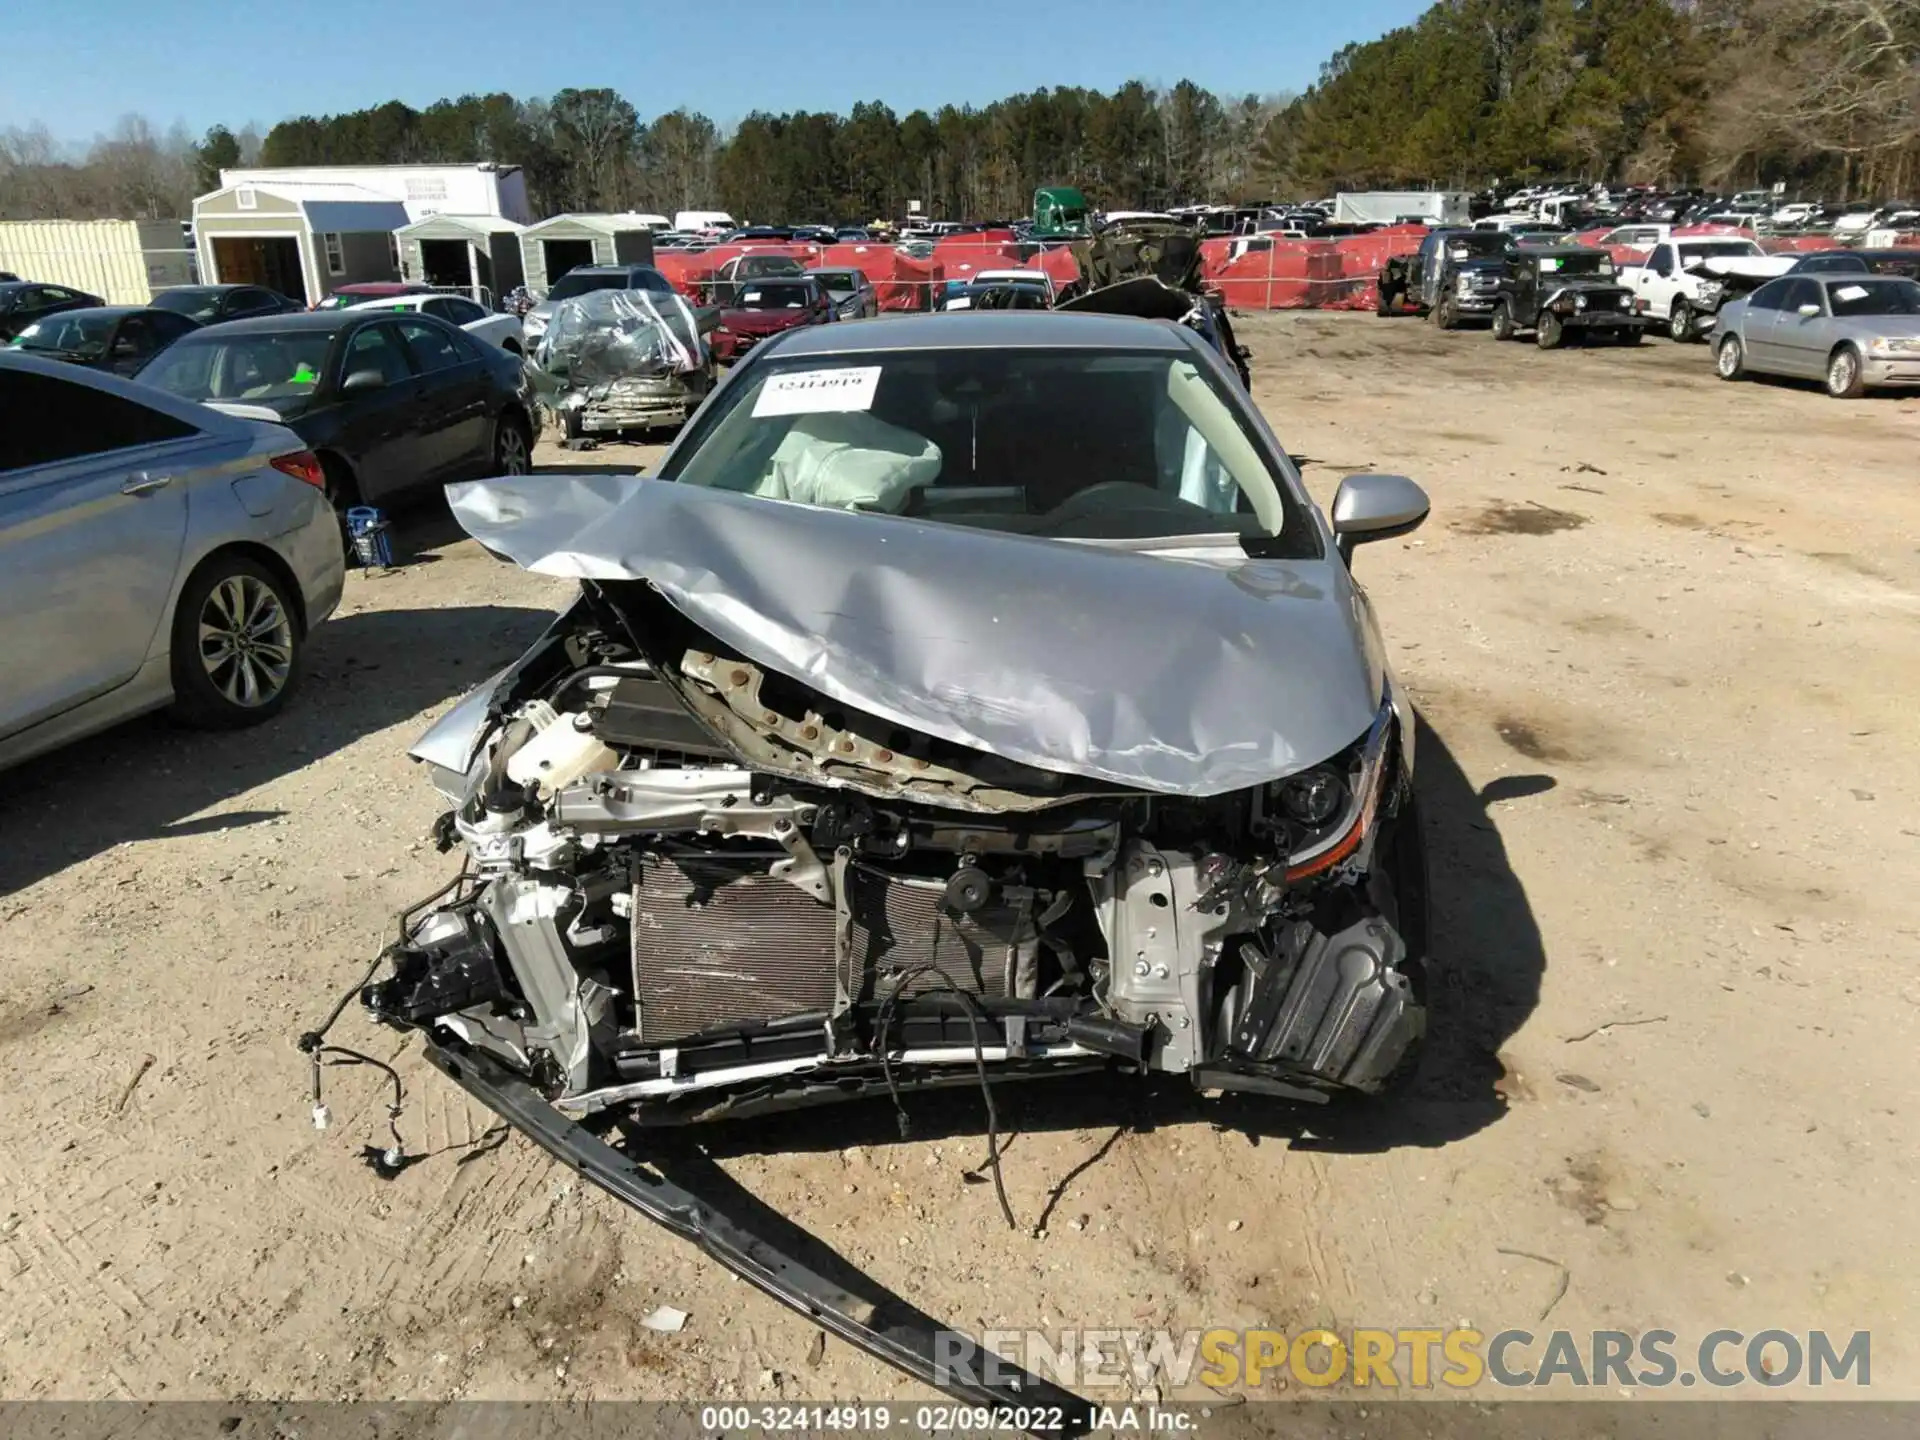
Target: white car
pixel 1796 214
pixel 1670 284
pixel 504 332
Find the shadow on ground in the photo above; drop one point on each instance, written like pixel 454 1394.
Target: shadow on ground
pixel 149 779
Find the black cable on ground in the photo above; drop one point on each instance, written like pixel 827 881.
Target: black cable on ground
pixel 975 1013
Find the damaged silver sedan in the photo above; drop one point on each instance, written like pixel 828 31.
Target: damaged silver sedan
pixel 621 360
pixel 967 699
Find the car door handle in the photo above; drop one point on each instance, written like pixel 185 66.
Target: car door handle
pixel 142 482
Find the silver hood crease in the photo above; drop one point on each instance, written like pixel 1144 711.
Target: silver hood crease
pixel 1192 673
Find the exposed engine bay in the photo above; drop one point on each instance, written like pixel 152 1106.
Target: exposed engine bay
pixel 697 888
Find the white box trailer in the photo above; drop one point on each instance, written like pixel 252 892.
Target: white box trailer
pixel 1384 207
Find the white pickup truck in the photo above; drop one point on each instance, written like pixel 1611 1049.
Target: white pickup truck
pixel 1670 284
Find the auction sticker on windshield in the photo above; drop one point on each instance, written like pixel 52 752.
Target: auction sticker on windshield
pixel 819 392
pixel 1850 292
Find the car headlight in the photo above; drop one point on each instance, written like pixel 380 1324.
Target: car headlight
pixel 1579 302
pixel 1464 284
pixel 1332 807
pixel 1711 290
pixel 1894 345
pixel 1626 302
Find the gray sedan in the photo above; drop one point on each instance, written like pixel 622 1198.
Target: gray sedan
pixel 1854 332
pixel 153 552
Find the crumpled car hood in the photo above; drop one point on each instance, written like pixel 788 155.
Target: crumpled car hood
pixel 1195 672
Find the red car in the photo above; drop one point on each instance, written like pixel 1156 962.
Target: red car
pixel 767 307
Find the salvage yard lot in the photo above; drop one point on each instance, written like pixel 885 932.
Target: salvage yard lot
pixel 1665 635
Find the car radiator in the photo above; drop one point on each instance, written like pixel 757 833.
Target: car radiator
pixel 719 943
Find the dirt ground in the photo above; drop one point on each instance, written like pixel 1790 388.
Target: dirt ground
pixel 1665 636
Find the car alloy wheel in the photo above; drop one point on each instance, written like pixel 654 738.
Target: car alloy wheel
pixel 1549 332
pixel 1680 322
pixel 1843 375
pixel 1728 361
pixel 510 450
pixel 1503 322
pixel 246 641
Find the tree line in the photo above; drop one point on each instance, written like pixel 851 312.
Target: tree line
pixel 1821 94
pixel 591 150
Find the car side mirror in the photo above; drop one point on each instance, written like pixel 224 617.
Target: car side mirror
pixel 1376 507
pixel 1809 311
pixel 361 381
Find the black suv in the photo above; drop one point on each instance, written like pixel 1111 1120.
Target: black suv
pixel 1453 275
pixel 1557 292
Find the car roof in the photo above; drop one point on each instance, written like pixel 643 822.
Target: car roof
pixel 1002 330
pixel 115 311
pixel 1561 251
pixel 325 321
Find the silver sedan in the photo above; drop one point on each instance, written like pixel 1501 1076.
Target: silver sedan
pixel 153 553
pixel 1853 332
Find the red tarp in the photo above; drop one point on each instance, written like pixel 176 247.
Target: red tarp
pixel 1306 274
pixel 1363 257
pixel 1798 244
pixel 900 281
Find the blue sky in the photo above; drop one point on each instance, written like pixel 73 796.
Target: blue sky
pixel 202 62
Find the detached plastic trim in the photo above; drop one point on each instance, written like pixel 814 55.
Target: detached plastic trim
pixel 882 1325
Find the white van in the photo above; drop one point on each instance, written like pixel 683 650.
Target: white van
pixel 685 220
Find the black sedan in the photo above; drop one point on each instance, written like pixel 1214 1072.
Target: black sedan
pixel 217 304
pixel 24 301
pixel 119 338
pixel 391 402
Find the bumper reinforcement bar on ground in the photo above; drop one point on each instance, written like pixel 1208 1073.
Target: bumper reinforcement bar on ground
pixel 881 1324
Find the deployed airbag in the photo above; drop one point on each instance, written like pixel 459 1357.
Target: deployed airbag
pixel 851 461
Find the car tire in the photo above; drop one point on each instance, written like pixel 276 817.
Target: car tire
pixel 512 450
pixel 1680 322
pixel 236 645
pixel 1845 374
pixel 1548 331
pixel 1629 336
pixel 1730 358
pixel 1442 315
pixel 1383 302
pixel 1503 327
